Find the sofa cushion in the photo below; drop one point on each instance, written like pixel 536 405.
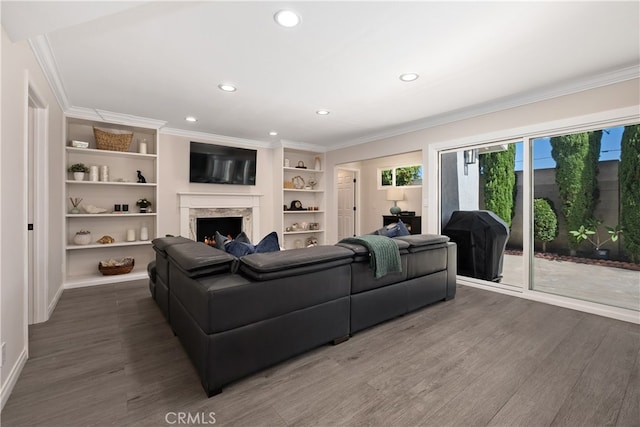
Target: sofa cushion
pixel 198 259
pixel 267 266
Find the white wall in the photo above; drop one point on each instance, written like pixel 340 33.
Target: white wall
pixel 19 70
pixel 174 178
pixel 494 126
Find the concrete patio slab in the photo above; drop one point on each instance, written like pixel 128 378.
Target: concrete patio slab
pixel 605 285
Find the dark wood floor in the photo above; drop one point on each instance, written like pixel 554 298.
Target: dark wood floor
pixel 107 357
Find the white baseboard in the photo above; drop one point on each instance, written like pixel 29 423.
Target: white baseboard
pixel 54 302
pixel 12 379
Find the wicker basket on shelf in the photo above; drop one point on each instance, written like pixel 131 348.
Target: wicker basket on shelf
pixel 112 141
pixel 123 266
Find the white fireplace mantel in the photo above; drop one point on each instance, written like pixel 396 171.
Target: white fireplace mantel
pixel 190 202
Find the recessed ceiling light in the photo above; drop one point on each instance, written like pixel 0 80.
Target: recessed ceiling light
pixel 408 77
pixel 191 119
pixel 273 133
pixel 286 18
pixel 227 87
pixel 322 112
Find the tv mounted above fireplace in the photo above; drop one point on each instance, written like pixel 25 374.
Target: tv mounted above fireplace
pixel 219 164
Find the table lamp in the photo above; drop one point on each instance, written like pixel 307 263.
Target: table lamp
pixel 395 194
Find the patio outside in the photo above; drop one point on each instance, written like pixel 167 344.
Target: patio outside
pixel 605 285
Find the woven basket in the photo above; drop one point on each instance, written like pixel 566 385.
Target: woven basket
pixel 112 141
pixel 107 270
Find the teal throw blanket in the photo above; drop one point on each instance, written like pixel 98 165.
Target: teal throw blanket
pixel 384 254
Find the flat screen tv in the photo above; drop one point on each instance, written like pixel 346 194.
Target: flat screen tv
pixel 219 164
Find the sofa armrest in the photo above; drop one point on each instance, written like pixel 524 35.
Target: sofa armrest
pixel 421 242
pixel 161 244
pixel 197 259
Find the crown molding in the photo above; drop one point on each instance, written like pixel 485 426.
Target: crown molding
pixel 305 146
pixel 83 113
pixel 41 49
pixel 114 118
pixel 130 120
pixel 217 138
pixel 530 97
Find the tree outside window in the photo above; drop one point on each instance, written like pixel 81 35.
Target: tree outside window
pixel 403 176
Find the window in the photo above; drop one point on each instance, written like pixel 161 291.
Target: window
pixel 401 176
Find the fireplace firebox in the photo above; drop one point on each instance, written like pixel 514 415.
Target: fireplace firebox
pixel 227 226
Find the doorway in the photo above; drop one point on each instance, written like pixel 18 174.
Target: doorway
pixel 37 206
pixel 347 181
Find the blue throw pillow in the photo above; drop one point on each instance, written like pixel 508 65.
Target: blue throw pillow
pixel 239 249
pixel 397 229
pixel 242 237
pixel 268 244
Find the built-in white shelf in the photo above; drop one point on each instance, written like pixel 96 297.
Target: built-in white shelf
pixel 302 170
pixel 307 196
pixel 135 184
pixel 303 232
pixel 301 212
pixel 138 273
pixel 122 187
pixel 108 245
pixel 109 153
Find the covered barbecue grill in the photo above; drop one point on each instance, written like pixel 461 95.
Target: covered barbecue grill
pixel 481 237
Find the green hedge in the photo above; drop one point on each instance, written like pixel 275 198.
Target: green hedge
pixel 576 159
pixel 629 178
pixel 545 222
pixel 499 182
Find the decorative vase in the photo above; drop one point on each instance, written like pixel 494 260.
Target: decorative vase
pixel 318 165
pixel 78 176
pixel 82 238
pixel 104 173
pixel 144 233
pixel 74 211
pixel 93 173
pixel 143 209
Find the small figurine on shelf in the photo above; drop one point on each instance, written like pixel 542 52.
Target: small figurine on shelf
pixel 141 178
pixel 143 204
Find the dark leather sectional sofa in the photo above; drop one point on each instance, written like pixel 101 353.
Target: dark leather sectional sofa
pixel 238 316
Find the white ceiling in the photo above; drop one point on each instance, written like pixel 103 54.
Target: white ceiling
pixel 164 60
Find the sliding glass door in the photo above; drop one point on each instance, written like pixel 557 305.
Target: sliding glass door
pixel 582 249
pixel 570 202
pixel 481 210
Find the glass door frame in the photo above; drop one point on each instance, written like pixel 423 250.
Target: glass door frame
pixel 526 134
pixel 526 236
